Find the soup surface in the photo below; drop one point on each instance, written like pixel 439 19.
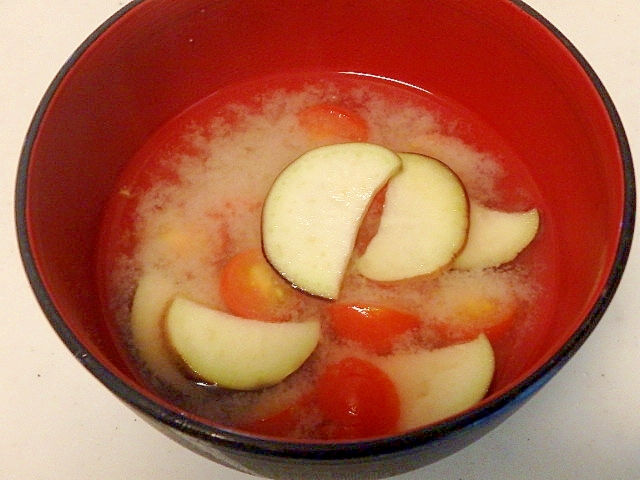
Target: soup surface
pixel 191 202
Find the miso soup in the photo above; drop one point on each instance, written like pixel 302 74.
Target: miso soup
pixel 186 221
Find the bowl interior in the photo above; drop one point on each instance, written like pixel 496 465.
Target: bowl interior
pixel 158 57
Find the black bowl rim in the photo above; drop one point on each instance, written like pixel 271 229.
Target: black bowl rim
pixel 343 450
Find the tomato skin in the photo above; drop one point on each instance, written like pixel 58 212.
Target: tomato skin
pixel 374 328
pixel 327 121
pixel 252 289
pixel 352 399
pixel 357 400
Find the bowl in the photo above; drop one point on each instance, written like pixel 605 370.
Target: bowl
pixel 155 58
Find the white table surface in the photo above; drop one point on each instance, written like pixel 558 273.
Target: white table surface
pixel 58 422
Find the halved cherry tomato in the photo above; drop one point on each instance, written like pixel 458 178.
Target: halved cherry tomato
pixel 252 289
pixel 475 315
pixel 375 328
pixel 335 122
pixel 284 423
pixel 357 400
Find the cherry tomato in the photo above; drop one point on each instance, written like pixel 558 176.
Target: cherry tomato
pixel 252 289
pixel 476 315
pixel 374 328
pixel 357 400
pixel 284 423
pixel 333 122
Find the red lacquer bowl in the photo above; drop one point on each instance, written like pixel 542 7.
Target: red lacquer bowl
pixel 154 58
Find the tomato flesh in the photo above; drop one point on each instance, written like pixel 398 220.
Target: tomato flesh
pixel 284 423
pixel 474 316
pixel 252 289
pixel 326 121
pixel 377 329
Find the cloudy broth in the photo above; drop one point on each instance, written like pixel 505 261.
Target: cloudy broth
pixel 192 198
